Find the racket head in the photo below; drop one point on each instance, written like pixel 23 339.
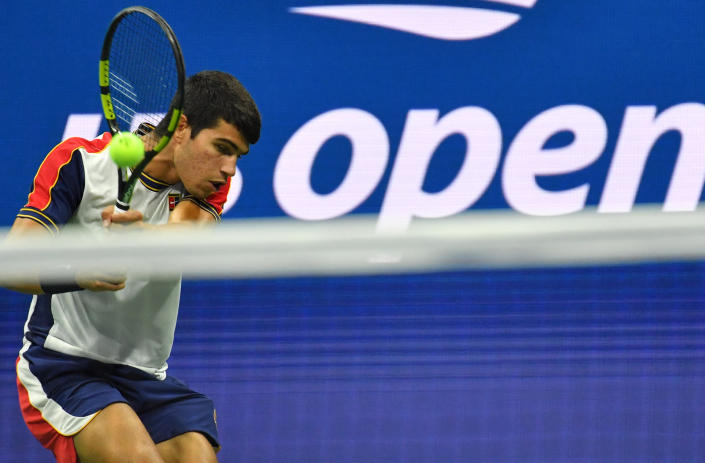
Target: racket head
pixel 141 77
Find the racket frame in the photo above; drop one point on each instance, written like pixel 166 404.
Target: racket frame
pixel 127 180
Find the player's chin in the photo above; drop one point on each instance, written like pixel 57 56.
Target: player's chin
pixel 208 191
pixel 211 188
pixel 202 190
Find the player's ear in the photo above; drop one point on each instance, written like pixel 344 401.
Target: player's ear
pixel 182 130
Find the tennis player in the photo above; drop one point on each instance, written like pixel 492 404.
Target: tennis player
pixel 92 372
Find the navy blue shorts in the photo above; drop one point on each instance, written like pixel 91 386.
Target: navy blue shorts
pixel 60 394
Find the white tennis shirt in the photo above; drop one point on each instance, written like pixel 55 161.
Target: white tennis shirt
pixel 134 326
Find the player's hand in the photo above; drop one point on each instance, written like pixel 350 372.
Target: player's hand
pixel 130 218
pixel 102 281
pixel 95 281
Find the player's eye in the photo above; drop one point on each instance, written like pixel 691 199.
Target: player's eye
pixel 223 149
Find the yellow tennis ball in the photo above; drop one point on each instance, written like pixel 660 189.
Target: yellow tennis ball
pixel 126 149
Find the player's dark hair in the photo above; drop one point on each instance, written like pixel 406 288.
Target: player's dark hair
pixel 213 95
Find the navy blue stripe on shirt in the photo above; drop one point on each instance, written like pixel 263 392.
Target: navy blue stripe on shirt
pixel 64 196
pixel 41 320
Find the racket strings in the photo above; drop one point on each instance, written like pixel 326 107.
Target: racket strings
pixel 143 72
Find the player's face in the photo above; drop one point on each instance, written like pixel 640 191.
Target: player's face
pixel 205 162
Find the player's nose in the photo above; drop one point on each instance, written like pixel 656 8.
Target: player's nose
pixel 229 165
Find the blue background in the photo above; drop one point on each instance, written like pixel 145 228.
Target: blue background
pixel 568 365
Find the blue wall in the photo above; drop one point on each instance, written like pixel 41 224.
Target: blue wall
pixel 594 66
pixel 566 365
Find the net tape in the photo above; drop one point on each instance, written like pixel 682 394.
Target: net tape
pixel 248 248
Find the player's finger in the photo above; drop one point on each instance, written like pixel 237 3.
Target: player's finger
pixel 106 215
pixel 127 217
pixel 100 281
pixel 106 286
pixel 99 285
pixel 111 278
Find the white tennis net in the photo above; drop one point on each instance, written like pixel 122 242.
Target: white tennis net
pixel 350 246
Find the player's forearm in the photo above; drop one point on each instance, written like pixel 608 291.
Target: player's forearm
pixel 24 228
pixel 60 280
pixel 89 281
pixel 24 287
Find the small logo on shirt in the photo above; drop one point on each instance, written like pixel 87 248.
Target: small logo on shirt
pixel 173 200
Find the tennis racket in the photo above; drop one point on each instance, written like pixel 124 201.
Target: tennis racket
pixel 141 84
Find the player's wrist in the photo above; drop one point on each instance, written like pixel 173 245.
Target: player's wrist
pixel 59 280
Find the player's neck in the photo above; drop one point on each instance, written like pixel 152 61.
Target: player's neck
pixel 162 167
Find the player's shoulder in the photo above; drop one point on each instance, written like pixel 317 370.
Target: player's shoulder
pixel 64 152
pixel 67 149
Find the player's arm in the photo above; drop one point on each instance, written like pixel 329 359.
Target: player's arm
pixel 190 212
pixel 26 228
pixel 185 213
pixel 57 190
